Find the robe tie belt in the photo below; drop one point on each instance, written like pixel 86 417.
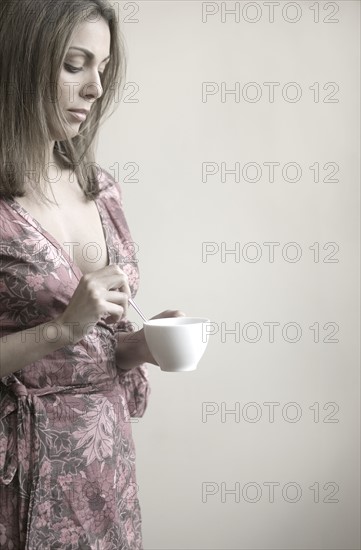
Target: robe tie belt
pixel 20 411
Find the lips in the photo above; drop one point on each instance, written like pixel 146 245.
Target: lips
pixel 79 114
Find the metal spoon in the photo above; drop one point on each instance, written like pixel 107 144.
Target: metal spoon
pixel 132 303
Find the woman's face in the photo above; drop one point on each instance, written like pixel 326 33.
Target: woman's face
pixel 79 84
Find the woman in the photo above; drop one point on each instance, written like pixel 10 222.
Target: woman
pixel 71 374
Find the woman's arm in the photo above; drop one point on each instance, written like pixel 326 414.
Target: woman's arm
pixel 90 301
pixel 132 350
pixel 27 346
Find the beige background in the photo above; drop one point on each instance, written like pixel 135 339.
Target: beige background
pixel 168 132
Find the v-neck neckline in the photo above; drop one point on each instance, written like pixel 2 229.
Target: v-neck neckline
pixel 35 223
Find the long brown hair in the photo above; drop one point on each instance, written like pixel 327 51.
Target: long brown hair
pixel 34 38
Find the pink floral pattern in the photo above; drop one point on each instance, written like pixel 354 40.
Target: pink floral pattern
pixel 67 457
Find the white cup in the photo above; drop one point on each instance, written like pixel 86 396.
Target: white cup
pixel 177 343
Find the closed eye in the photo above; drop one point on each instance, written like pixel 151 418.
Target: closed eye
pixel 73 70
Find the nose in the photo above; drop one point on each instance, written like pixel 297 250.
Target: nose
pixel 92 89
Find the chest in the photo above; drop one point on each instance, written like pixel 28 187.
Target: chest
pixel 77 227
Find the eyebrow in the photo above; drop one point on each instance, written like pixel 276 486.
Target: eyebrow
pixel 88 53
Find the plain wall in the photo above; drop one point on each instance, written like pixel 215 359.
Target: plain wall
pixel 192 451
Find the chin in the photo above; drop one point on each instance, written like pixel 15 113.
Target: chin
pixel 72 130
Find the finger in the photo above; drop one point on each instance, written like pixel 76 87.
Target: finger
pixel 112 313
pixel 119 291
pixel 112 277
pixel 176 313
pixel 169 313
pixel 118 280
pixel 123 288
pixel 119 298
pixel 110 319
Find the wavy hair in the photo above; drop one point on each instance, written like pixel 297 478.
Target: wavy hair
pixel 34 38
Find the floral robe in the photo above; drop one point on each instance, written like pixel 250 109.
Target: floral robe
pixel 67 458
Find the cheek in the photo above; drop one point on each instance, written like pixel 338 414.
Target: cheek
pixel 68 88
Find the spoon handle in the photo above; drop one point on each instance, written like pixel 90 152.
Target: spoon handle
pixel 132 303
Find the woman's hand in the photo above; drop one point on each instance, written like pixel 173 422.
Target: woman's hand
pixel 98 294
pixel 132 349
